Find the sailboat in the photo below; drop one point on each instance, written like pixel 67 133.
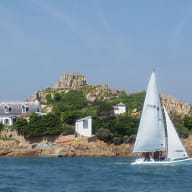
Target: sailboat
pixel 153 137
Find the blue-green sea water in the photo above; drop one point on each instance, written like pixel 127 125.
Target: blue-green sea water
pixel 91 175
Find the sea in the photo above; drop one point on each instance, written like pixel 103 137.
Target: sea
pixel 91 175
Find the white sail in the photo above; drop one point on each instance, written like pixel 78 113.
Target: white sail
pixel 175 149
pixel 151 132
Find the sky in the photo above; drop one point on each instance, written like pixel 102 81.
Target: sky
pixel 114 42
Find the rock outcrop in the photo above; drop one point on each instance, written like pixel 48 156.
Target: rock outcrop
pixel 175 106
pixel 18 146
pixel 77 81
pixel 71 80
pixel 100 92
pixel 79 148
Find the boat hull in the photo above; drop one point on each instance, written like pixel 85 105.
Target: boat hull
pixel 152 162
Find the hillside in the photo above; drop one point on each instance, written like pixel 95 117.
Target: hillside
pixel 71 99
pixel 100 92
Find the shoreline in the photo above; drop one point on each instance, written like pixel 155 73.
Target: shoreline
pixel 68 146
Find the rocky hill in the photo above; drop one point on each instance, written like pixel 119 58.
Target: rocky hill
pixel 175 106
pixel 99 92
pixel 76 81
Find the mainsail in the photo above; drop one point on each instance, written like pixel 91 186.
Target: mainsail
pixel 151 132
pixel 175 149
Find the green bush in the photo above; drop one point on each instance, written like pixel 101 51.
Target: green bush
pixel 73 100
pixel 70 117
pixel 187 120
pixel 104 110
pixel 117 140
pixel 49 124
pixel 104 135
pixel 49 99
pixel 1 126
pixel 68 129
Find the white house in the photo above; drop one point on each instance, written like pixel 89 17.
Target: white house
pixel 9 111
pixel 119 108
pixel 83 127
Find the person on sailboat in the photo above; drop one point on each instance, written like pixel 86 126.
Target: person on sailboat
pixel 156 155
pixel 147 156
pixel 165 138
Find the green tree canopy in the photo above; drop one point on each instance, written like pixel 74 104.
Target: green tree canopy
pixel 49 124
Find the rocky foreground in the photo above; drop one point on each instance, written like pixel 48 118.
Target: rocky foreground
pixel 46 147
pixel 17 146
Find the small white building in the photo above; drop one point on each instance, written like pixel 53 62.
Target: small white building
pixel 119 108
pixel 9 111
pixel 83 127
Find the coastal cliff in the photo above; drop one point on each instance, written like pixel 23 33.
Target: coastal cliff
pixel 18 146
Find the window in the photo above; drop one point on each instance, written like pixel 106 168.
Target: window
pixel 7 109
pixel 85 124
pixel 24 109
pixel 116 108
pixel 7 121
pixel 38 109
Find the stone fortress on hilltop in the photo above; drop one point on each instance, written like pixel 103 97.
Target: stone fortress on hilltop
pixel 77 81
pixel 100 92
pixel 71 80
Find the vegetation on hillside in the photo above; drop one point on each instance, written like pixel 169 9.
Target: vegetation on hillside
pixel 68 107
pixel 49 124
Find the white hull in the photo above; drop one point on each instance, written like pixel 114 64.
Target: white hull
pixel 152 162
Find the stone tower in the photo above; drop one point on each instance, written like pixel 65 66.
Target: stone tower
pixel 71 80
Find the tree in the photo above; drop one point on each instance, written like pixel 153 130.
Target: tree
pixel 1 126
pixel 182 125
pixel 104 110
pixel 49 124
pixel 21 125
pixel 57 97
pixel 52 124
pixel 70 117
pixel 68 129
pixel 188 122
pixel 49 98
pixel 104 135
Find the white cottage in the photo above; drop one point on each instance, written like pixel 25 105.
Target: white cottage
pixel 9 111
pixel 83 127
pixel 119 108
